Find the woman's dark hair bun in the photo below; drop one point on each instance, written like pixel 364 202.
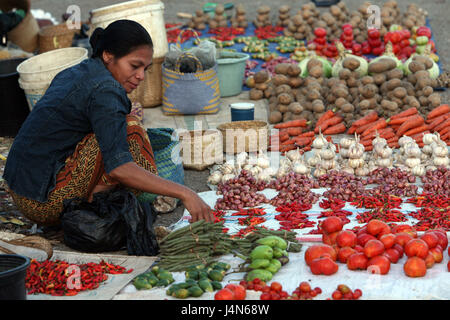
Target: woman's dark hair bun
pixel 119 38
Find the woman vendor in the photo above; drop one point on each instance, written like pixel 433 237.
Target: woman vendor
pixel 79 138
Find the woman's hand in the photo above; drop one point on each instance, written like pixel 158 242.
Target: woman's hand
pixel 197 207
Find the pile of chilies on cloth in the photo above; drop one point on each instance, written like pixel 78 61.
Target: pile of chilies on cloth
pixel 393 187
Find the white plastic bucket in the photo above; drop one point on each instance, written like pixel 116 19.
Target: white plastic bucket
pixel 45 66
pixel 149 13
pixel 36 73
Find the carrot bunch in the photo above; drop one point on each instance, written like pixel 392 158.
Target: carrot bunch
pixel 330 123
pixel 291 135
pixel 438 120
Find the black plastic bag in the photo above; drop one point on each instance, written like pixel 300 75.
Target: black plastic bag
pixel 112 221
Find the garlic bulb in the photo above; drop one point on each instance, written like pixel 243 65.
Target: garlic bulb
pixel 431 167
pixel 412 162
pixel 440 151
pixel 300 168
pixel 262 176
pixel 428 138
pixel 440 161
pixel 328 164
pixel 319 142
pixel 412 151
pixel 263 162
pixel 270 171
pixel 384 162
pixel 424 156
pixel 343 152
pixel 378 147
pixel 254 171
pixel 215 177
pixel 247 167
pixel 404 139
pixel 319 172
pixel 285 163
pixel 227 177
pixel 378 139
pixel 363 171
pixel 345 143
pixel 327 153
pixel 356 163
pixel 427 149
pixel 282 171
pixel 348 170
pixel 386 152
pixel 418 171
pixel 293 155
pixel 241 158
pixel 227 168
pixel 253 160
pixel 314 160
pixel 356 150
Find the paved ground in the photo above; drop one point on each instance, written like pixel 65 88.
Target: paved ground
pixel 438 13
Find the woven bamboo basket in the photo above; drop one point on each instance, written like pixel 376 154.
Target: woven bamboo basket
pixel 55 37
pixel 201 148
pixel 248 136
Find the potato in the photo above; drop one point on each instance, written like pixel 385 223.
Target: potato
pixel 389 105
pixel 272 107
pixel 256 94
pixel 285 98
pixel 351 63
pixel 423 82
pixel 369 90
pixel 295 82
pixel 367 80
pixel 313 63
pixel 284 88
pixel 318 106
pixel 282 68
pixel 393 83
pixel 415 66
pixel 340 102
pixel 280 79
pixel 295 108
pixel 423 100
pixel 399 92
pixel 364 104
pixel 379 78
pixel 412 78
pixel 287 116
pixel 313 95
pixel 270 91
pixel 348 108
pixel 261 76
pixel 427 90
pixel 275 117
pixel 273 100
pixel 435 100
pixel 382 65
pixel 352 83
pixel 293 70
pixel 316 71
pixel 283 108
pixel 394 74
pixel 340 92
pixel 345 74
pixel 261 86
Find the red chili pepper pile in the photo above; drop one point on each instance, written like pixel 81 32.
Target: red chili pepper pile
pixel 430 200
pixel 377 200
pixel 292 217
pixel 332 203
pixel 268 32
pixel 434 212
pixel 383 214
pixel 172 35
pixel 52 277
pixel 226 33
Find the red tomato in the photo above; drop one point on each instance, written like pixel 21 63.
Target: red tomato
pixel 224 294
pixel 320 32
pixel 265 296
pixel 373 33
pixel 424 31
pixel 276 286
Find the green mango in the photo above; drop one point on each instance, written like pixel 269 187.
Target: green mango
pixel 216 275
pixel 155 270
pixel 220 265
pixel 191 282
pixel 152 280
pixel 277 252
pixel 203 274
pixel 206 285
pixel 272 268
pixel 276 262
pixel 163 283
pixel 217 285
pixel 165 275
pixel 262 252
pixel 170 291
pixel 273 241
pixel 195 291
pixel 261 274
pixel 141 283
pixel 259 263
pixel 181 293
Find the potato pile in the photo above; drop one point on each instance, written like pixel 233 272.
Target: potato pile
pixel 219 20
pixel 259 84
pixel 240 19
pixel 413 16
pixel 199 20
pixel 263 17
pixel 283 16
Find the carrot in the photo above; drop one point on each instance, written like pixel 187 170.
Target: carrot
pixel 301 141
pixel 400 121
pixel 294 131
pixel 377 125
pixel 446 138
pixel 307 134
pixel 307 148
pixel 367 142
pixel 405 113
pixel 394 145
pixel 415 130
pixel 442 109
pixel 329 123
pixel 383 133
pixel 368 148
pixel 393 139
pixel 283 136
pixel 291 123
pixel 438 119
pixel 284 149
pixel 287 142
pixel 337 128
pixel 361 129
pixel 413 122
pixel 444 131
pixel 444 124
pixel 327 115
pixel 351 130
pixel 370 117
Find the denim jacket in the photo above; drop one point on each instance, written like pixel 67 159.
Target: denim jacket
pixel 80 100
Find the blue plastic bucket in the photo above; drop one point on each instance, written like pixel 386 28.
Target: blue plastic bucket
pixel 242 111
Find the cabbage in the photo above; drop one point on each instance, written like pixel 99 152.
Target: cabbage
pixel 433 71
pixel 337 67
pixel 326 65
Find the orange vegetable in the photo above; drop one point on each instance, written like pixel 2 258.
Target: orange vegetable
pixel 400 121
pixel 367 142
pixel 415 130
pixel 302 141
pixel 294 131
pixel 327 115
pixel 307 134
pixel 287 148
pixel 363 128
pixel 413 122
pixel 442 109
pixel 292 123
pixel 444 131
pixel 368 148
pixel 377 125
pixel 337 128
pixel 288 141
pixel 368 118
pixel 328 123
pixel 444 124
pixel 407 112
pixel 283 136
pixel 419 136
pixel 437 120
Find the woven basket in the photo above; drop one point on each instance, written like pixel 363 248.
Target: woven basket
pixel 55 37
pixel 201 148
pixel 248 136
pixel 149 92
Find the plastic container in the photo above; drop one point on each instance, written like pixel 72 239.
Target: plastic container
pixel 150 14
pixel 37 73
pixel 14 108
pixel 231 70
pixel 13 271
pixel 242 111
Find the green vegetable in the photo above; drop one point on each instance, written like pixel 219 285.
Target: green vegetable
pixel 192 275
pixel 276 262
pixel 273 241
pixel 206 285
pixel 216 275
pixel 181 293
pixel 261 252
pixel 163 283
pixel 217 285
pixel 195 291
pixel 141 283
pixel 337 67
pixel 263 275
pixel 259 263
